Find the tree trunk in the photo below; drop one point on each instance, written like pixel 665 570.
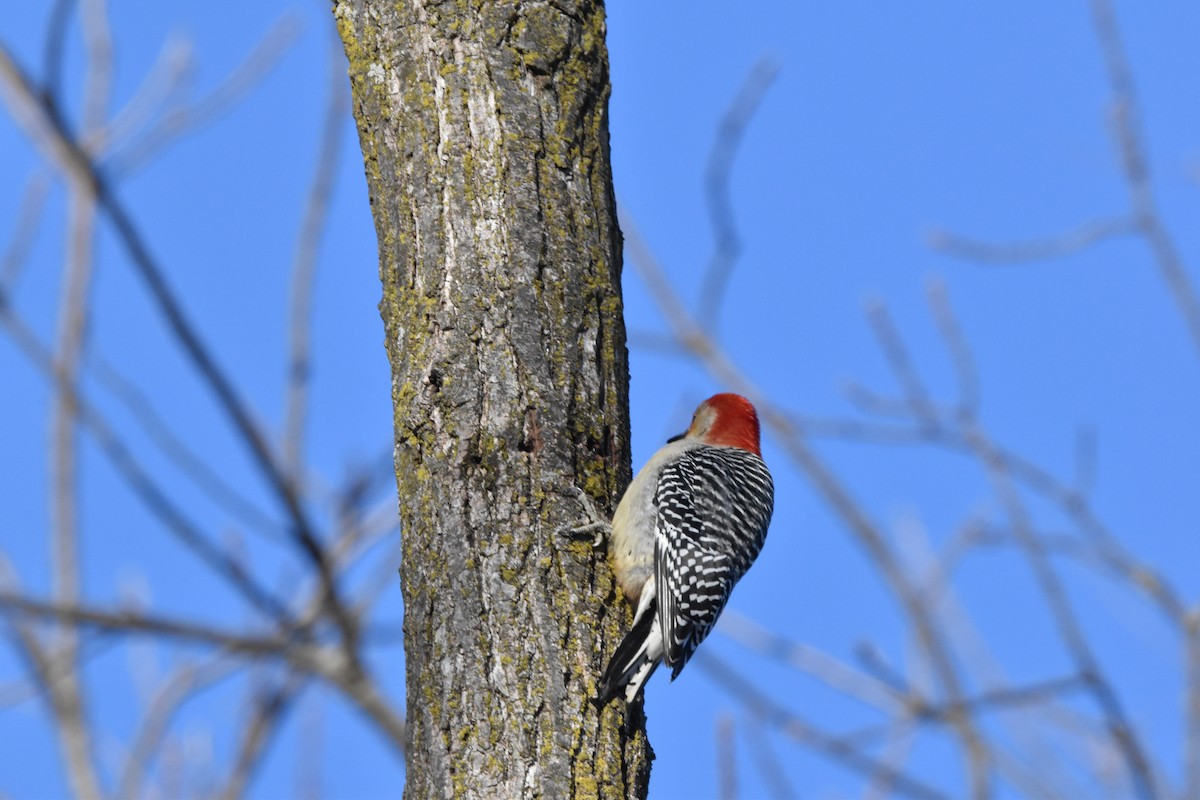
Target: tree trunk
pixel 484 129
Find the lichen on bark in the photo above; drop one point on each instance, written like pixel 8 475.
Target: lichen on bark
pixel 485 140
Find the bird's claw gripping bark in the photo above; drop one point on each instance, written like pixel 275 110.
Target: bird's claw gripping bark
pixel 596 526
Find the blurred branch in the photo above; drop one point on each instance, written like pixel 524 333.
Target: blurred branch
pixel 268 710
pixel 717 190
pixel 1003 253
pixel 188 117
pixel 65 705
pixel 726 759
pixel 55 47
pixel 69 700
pixel 298 640
pixel 767 761
pixel 916 397
pixel 956 343
pixel 138 479
pixel 170 70
pixel 999 473
pixel 919 710
pixel 44 120
pixel 923 421
pixel 24 232
pixel 1143 219
pixel 806 734
pixel 1192 705
pixel 309 746
pixel 331 663
pixel 188 681
pixel 1069 629
pixel 895 752
pixel 162 434
pixel 1128 124
pixel 97 90
pixel 141 623
pixel 810 660
pixel 307 249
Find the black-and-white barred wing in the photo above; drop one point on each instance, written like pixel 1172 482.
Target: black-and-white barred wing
pixel 714 505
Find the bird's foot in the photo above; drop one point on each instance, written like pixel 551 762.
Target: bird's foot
pixel 595 527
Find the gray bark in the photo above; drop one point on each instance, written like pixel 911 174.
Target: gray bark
pixel 485 137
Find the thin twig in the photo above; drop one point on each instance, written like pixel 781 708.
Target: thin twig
pixel 310 739
pixel 952 335
pixel 767 761
pixel 137 622
pixel 895 751
pixel 53 54
pixel 24 233
pixel 998 699
pixel 727 781
pixel 329 663
pixel 269 706
pixel 174 63
pixel 1071 499
pixel 1192 705
pixel 728 246
pixel 187 118
pixel 188 681
pixel 144 487
pixel 1003 253
pixel 835 674
pixel 73 160
pixel 162 433
pixel 69 700
pixel 890 342
pixel 801 731
pixel 1128 123
pixel 304 264
pixel 1067 623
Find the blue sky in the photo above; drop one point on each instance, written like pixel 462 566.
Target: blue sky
pixel 884 123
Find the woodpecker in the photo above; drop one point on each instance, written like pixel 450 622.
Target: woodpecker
pixel 686 530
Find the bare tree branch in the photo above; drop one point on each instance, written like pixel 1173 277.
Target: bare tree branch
pixel 799 730
pixel 307 249
pixel 188 681
pixel 69 701
pixel 1127 120
pixel 717 190
pixel 997 468
pixel 162 433
pixel 810 660
pixel 143 486
pixel 1003 253
pixel 727 782
pixel 25 231
pixel 1192 706
pixel 191 116
pixel 54 51
pixel 1143 219
pixel 767 761
pixel 268 709
pixel 74 161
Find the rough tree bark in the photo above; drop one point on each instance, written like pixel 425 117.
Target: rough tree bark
pixel 485 136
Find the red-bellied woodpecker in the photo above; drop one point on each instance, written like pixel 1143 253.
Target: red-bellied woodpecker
pixel 688 527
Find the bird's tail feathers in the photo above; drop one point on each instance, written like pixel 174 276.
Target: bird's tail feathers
pixel 635 659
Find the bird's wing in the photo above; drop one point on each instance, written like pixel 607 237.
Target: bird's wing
pixel 714 504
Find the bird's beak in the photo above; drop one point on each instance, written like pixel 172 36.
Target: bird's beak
pixel 677 437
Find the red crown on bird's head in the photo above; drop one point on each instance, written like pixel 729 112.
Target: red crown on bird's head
pixel 728 420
